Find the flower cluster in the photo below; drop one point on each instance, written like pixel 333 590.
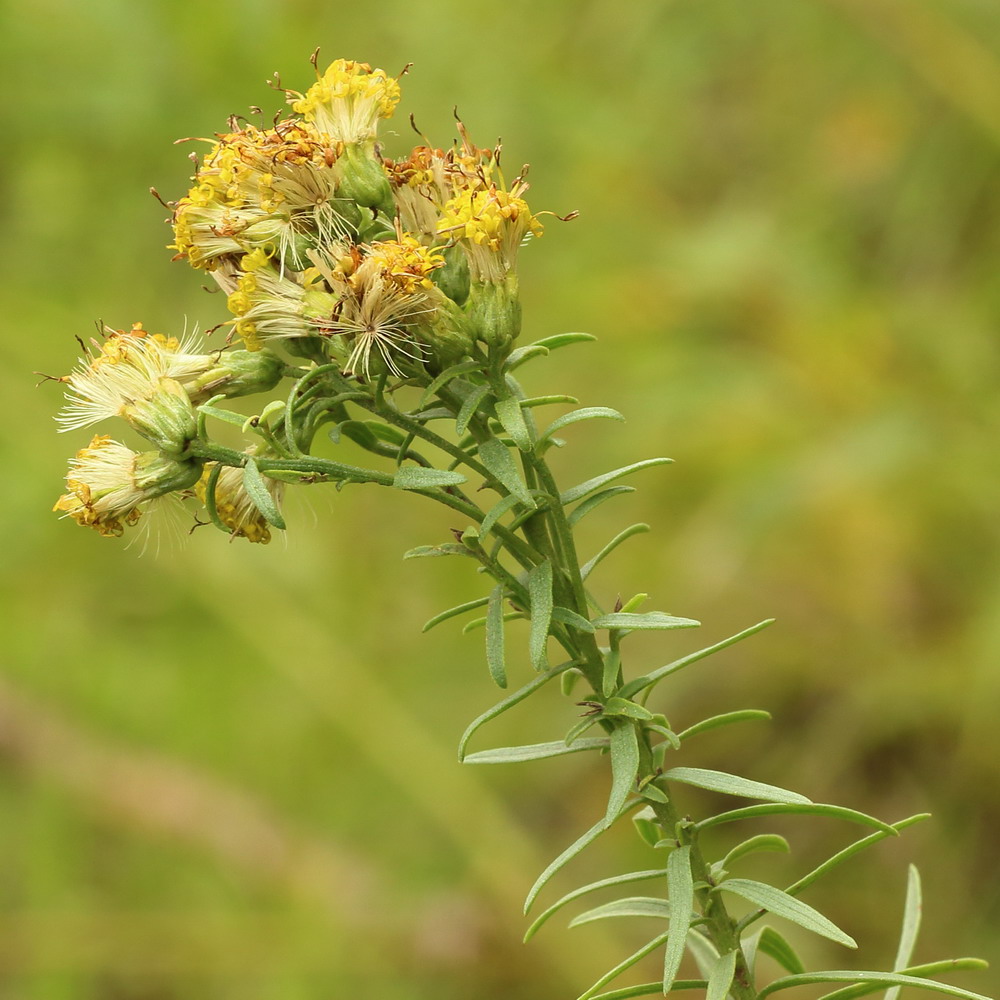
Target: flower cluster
pixel 387 269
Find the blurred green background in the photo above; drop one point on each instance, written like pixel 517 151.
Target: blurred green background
pixel 228 771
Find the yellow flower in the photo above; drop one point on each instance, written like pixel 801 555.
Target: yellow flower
pixel 233 504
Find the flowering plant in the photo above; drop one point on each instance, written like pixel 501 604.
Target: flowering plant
pixel 384 293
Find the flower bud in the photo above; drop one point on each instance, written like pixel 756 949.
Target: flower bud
pixel 165 417
pixel 493 313
pixel 237 373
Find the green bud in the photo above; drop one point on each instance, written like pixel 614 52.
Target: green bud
pixel 237 373
pixel 448 337
pixel 156 474
pixel 165 417
pixel 493 313
pixel 453 278
pixel 363 178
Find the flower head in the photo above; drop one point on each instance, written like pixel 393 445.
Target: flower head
pixel 235 508
pixel 109 485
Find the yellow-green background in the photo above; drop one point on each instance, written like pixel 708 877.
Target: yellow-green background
pixel 228 771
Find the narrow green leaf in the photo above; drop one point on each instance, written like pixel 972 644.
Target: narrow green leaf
pixel 776 808
pixel 258 492
pixel 572 619
pixel 774 944
pixel 779 903
pixel 636 956
pixel 878 980
pixel 459 609
pixel 721 977
pixel 732 784
pixel 432 551
pixel 912 909
pixel 634 529
pixel 629 709
pixel 634 686
pixel 604 883
pixel 533 751
pixel 445 377
pixel 416 477
pixel 586 413
pixel 237 419
pixel 705 953
pixel 647 620
pixel 925 971
pixel 611 671
pixel 530 402
pixel 511 418
pixel 859 845
pixel 500 464
pixel 725 719
pixel 647 827
pixel 651 989
pixel 494 637
pixel 469 406
pixel 572 851
pixel 497 511
pixel 624 765
pixel 584 508
pixel 540 593
pixel 562 339
pixel 680 889
pixel 509 702
pixel 632 906
pixel 755 845
pixel 477 623
pixel 517 357
pixel 578 492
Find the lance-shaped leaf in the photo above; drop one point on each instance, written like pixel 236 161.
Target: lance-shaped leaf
pixel 877 980
pixel 469 406
pixel 925 971
pixel 540 593
pixel 622 536
pixel 624 764
pixel 509 702
pixel 500 464
pixel 912 910
pixel 258 492
pixel 631 906
pixel 721 976
pixel 579 491
pixel 562 339
pixel 586 413
pixel 646 620
pixel 771 943
pixel 754 845
pixel 732 784
pixel 445 377
pixel 534 751
pixel 779 903
pixel 459 609
pixel 778 808
pixel 651 989
pixel 591 503
pixel 604 883
pixel 511 418
pixel 624 966
pixel 572 851
pixel 416 477
pixel 680 889
pixel 432 551
pixel 497 511
pixel 494 637
pixel 725 719
pixel 571 618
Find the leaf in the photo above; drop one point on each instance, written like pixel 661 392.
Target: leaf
pixel 494 637
pixel 604 883
pixel 624 966
pixel 579 491
pixel 755 845
pixel 636 685
pixel 611 671
pixel 540 593
pixel 511 418
pixel 496 512
pixel 705 953
pixel 732 784
pixel 911 926
pixel 531 402
pixel 647 827
pixel 571 852
pixel 635 529
pixel 647 620
pixel 562 339
pixel 584 508
pixel 572 619
pixel 776 808
pixel 725 719
pixel 432 551
pixel 237 419
pixel 508 616
pixel 772 943
pixel 779 903
pixel 877 979
pixel 469 406
pixel 632 906
pixel 459 609
pixel 445 377
pixel 924 971
pixel 500 464
pixel 680 889
pixel 651 989
pixel 721 977
pixel 509 702
pixel 533 751
pixel 624 765
pixel 416 477
pixel 517 357
pixel 629 709
pixel 258 492
pixel 586 413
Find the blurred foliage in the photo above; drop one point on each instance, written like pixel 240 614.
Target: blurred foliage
pixel 787 246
